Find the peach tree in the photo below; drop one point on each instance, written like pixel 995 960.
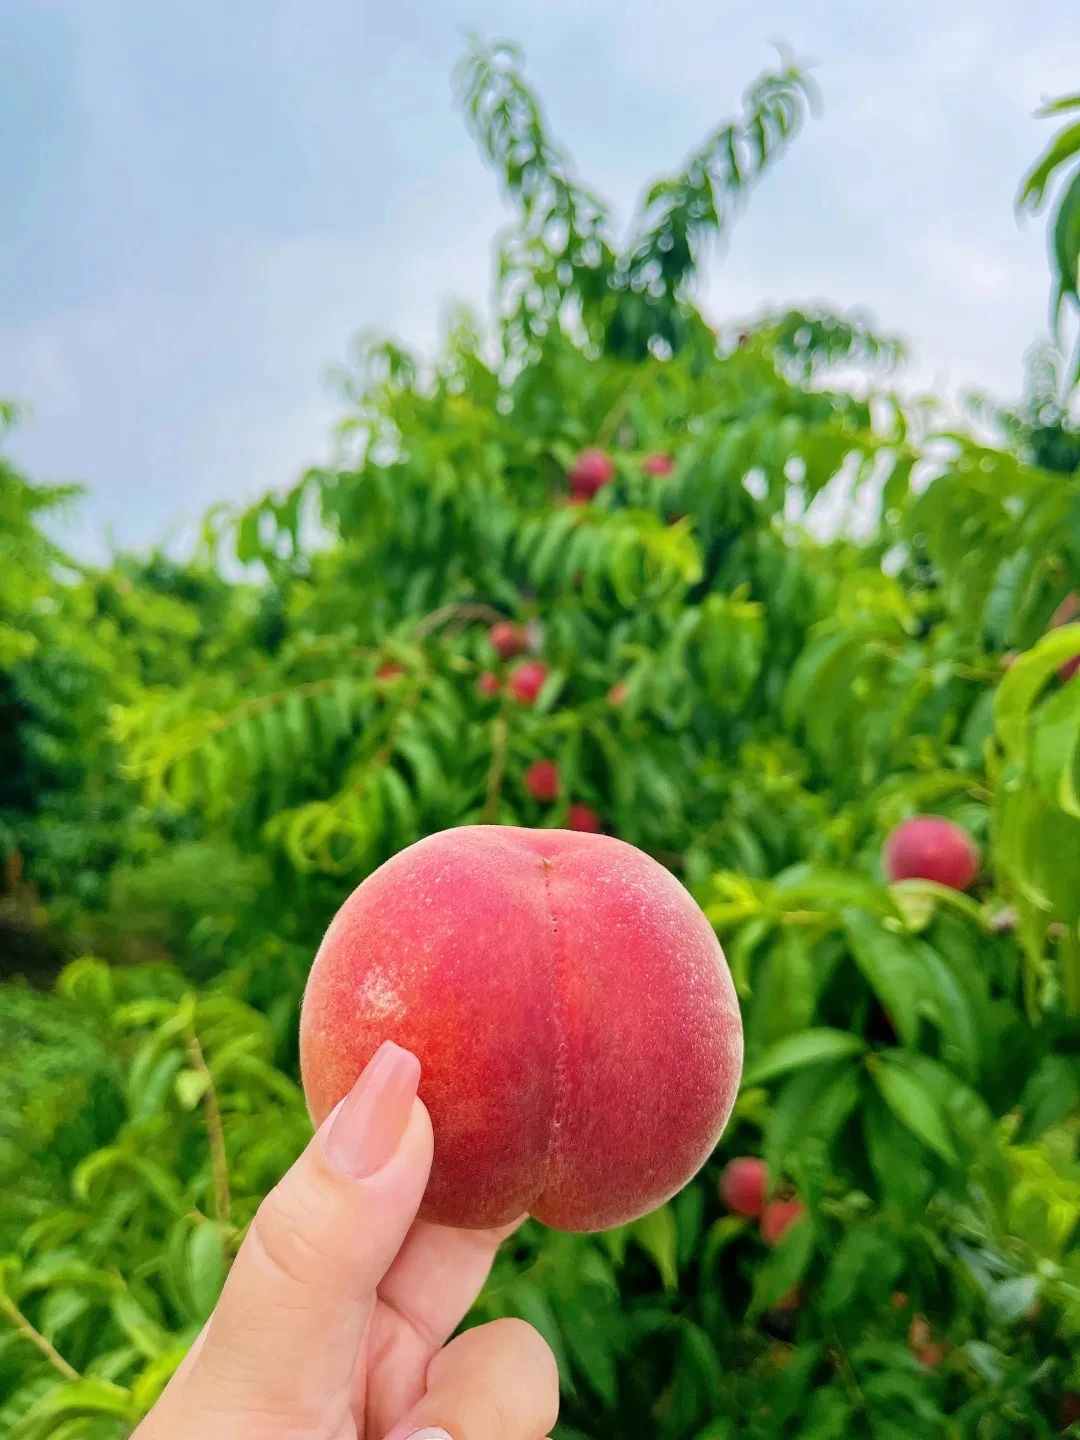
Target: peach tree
pixel 738 614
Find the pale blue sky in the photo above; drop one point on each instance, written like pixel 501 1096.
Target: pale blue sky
pixel 201 203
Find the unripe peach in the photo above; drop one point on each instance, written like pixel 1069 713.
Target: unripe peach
pixel 658 465
pixel 389 671
pixel 930 848
pixel 590 472
pixel 743 1186
pixel 527 680
pixel 542 780
pixel 507 639
pixel 617 694
pixel 581 817
pixel 570 1006
pixel 778 1217
pixel 488 684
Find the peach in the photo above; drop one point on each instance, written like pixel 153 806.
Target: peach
pixel 507 639
pixel 585 819
pixel 488 685
pixel 778 1217
pixel 590 472
pixel 527 680
pixel 618 694
pixel 927 847
pixel 658 465
pixel 924 1344
pixel 389 671
pixel 743 1186
pixel 542 780
pixel 571 1008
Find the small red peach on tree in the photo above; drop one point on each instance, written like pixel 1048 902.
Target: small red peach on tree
pixel 507 639
pixel 928 847
pixel 584 819
pixel 658 465
pixel 778 1217
pixel 590 472
pixel 527 680
pixel 542 780
pixel 743 1186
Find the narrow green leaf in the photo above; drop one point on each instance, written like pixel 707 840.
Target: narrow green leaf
pixel 915 1106
pixel 795 1052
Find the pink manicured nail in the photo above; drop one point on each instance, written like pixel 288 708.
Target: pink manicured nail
pixel 371 1120
pixel 406 1431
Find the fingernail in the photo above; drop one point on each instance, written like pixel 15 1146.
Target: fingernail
pixel 406 1431
pixel 371 1120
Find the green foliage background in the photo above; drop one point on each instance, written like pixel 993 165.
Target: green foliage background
pixel 809 617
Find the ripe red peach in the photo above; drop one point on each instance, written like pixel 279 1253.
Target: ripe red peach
pixel 585 819
pixel 778 1217
pixel 527 680
pixel 488 684
pixel 542 780
pixel 743 1186
pixel 507 639
pixel 590 472
pixel 390 671
pixel 570 1006
pixel 618 693
pixel 658 465
pixel 928 847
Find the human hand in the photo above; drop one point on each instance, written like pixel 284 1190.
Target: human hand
pixel 334 1320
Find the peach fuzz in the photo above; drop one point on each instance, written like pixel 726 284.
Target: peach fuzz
pixel 571 1008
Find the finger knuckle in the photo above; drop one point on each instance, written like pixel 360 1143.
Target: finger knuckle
pixel 291 1235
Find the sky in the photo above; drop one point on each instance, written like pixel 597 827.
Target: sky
pixel 201 204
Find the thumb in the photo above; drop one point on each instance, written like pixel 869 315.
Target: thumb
pixel 284 1338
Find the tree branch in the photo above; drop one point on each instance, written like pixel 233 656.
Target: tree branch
pixel 219 1160
pixel 34 1336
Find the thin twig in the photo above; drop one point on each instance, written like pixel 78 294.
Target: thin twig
pixel 219 1160
pixel 35 1337
pixel 463 612
pixel 500 734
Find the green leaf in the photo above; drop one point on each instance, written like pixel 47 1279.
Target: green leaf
pixel 1055 749
pixel 891 967
pixel 1023 683
pixel 81 1397
pixel 206 1266
pixel 795 1052
pixel 914 1105
pixel 658 1237
pixel 784 1266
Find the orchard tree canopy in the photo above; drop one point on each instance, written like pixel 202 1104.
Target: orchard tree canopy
pixel 760 617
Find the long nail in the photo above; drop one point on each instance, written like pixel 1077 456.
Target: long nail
pixel 371 1120
pixel 405 1431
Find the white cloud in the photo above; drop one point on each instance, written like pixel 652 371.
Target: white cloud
pixel 201 377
